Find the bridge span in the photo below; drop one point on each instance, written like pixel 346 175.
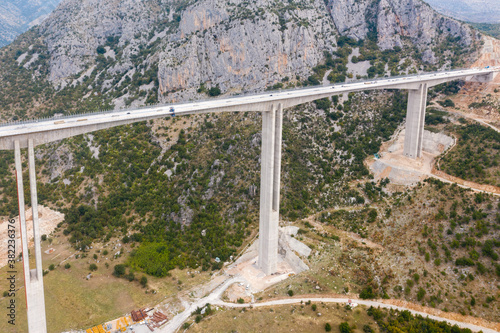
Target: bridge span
pixel 28 134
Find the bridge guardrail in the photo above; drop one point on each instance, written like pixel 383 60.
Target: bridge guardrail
pixel 30 121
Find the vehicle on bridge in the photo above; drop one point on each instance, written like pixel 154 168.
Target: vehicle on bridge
pixel 172 111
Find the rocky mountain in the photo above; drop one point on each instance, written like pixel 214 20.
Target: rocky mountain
pixel 121 52
pixel 480 11
pixel 164 185
pixel 17 16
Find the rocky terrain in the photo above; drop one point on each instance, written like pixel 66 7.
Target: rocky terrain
pixel 484 11
pixel 123 52
pixel 183 191
pixel 17 16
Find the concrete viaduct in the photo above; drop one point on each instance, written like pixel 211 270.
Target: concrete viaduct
pixel 17 135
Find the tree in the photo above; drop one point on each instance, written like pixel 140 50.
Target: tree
pixel 367 293
pixel 367 329
pixel 323 103
pixel 420 293
pixel 344 328
pixel 119 270
pixel 214 91
pixel 67 266
pixel 144 281
pixel 52 267
pixel 328 327
pixel 93 267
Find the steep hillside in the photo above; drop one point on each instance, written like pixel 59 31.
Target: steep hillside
pixel 481 11
pixel 492 29
pixel 86 57
pixel 159 184
pixel 17 16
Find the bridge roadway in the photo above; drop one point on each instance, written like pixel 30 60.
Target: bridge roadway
pixel 14 136
pixel 47 130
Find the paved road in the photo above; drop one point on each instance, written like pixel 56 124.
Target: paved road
pixel 257 102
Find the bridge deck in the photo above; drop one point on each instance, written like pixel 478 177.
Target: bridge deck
pixel 47 130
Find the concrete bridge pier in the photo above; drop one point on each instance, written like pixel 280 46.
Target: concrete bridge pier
pixel 270 188
pixel 33 279
pixel 415 120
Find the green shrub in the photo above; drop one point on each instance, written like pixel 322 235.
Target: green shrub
pixel 345 328
pixel 420 293
pixel 119 270
pixel 214 91
pixel 463 261
pixel 367 329
pixel 367 293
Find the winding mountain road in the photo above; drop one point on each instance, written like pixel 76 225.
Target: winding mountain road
pixel 214 298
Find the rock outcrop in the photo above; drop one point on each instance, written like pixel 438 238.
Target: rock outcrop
pixel 17 16
pixel 393 20
pixel 235 45
pixel 248 53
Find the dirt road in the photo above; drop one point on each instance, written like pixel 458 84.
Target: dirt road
pixel 362 302
pixel 214 298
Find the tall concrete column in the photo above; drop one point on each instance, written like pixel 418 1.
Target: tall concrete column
pixel 277 158
pixel 33 279
pixel 37 308
pixel 415 120
pixel 269 189
pixel 22 216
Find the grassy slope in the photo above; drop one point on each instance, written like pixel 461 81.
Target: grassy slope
pixel 73 302
pixel 286 318
pixel 418 232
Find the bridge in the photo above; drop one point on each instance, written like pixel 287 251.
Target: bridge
pixel 28 134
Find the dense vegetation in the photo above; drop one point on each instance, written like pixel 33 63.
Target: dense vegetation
pixel 492 29
pixel 404 321
pixel 476 155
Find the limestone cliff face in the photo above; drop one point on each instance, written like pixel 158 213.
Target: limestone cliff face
pixel 235 44
pixel 394 19
pixel 75 30
pixel 244 47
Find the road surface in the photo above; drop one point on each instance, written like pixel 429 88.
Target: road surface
pixel 214 299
